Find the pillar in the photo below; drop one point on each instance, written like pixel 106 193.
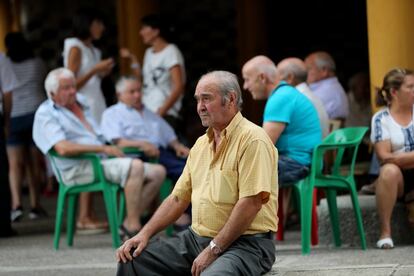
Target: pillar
pixel 129 13
pixel 390 38
pixel 251 41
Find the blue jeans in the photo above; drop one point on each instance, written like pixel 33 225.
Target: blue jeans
pixel 290 171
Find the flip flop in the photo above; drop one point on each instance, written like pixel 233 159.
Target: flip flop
pixel 385 243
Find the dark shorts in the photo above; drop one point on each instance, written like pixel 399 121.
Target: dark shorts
pixel 21 131
pixel 290 171
pixel 408 176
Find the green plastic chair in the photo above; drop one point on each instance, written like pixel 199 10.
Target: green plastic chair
pixel 339 140
pixel 71 193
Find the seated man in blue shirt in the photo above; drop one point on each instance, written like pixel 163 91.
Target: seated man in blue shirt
pixel 130 124
pixel 64 123
pixel 290 118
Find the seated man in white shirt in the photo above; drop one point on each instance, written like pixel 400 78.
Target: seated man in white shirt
pixel 64 122
pixel 130 124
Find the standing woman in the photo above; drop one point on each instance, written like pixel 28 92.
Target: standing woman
pixel 23 155
pixel 393 138
pixel 84 59
pixel 163 71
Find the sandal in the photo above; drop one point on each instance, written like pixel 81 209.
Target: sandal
pixel 125 234
pixel 385 243
pixel 91 228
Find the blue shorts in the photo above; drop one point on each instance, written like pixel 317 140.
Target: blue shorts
pixel 21 131
pixel 290 171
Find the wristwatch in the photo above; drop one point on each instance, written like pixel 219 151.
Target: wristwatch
pixel 215 249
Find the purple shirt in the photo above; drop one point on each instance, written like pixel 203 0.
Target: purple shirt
pixel 333 97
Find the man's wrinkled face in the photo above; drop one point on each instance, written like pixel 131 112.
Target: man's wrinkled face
pixel 66 94
pixel 254 83
pixel 314 73
pixel 132 95
pixel 212 108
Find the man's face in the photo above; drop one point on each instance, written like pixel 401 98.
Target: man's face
pixel 212 110
pixel 66 94
pixel 131 96
pixel 254 83
pixel 314 73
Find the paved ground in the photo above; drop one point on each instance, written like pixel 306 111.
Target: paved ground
pixel 31 253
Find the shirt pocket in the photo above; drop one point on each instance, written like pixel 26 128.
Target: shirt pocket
pixel 226 187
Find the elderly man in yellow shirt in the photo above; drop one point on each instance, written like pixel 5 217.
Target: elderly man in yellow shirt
pixel 230 178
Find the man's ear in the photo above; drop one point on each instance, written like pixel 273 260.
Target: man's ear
pixel 232 98
pixel 262 78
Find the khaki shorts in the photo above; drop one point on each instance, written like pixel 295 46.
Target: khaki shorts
pixel 116 170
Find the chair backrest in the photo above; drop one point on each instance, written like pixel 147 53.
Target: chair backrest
pixel 338 140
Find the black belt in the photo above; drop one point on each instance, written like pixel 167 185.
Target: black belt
pixel 268 235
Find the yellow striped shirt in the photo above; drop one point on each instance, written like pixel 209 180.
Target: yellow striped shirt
pixel 244 164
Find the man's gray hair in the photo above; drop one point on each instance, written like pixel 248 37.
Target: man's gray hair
pixel 325 60
pixel 299 72
pixel 52 79
pixel 227 83
pixel 120 85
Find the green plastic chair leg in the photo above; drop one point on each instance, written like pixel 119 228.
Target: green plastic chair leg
pixel 305 201
pixel 59 216
pixel 112 217
pixel 165 191
pixel 358 217
pixel 333 214
pixel 71 213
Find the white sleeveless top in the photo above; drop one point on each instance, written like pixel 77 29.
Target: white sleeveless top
pixel 92 88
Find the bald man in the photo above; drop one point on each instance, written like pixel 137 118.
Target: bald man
pixel 293 71
pixel 325 85
pixel 290 119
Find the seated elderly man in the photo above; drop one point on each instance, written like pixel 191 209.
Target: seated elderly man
pixel 290 119
pixel 64 123
pixel 130 124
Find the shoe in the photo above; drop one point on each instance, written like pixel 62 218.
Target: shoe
pixel 368 189
pixel 125 234
pixel 91 228
pixel 16 214
pixel 385 243
pixel 37 213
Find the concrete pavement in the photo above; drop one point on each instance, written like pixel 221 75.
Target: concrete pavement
pixel 32 253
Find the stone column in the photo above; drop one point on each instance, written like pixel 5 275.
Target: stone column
pixel 390 38
pixel 251 41
pixel 129 13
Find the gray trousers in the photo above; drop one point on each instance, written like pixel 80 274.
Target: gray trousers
pixel 248 255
